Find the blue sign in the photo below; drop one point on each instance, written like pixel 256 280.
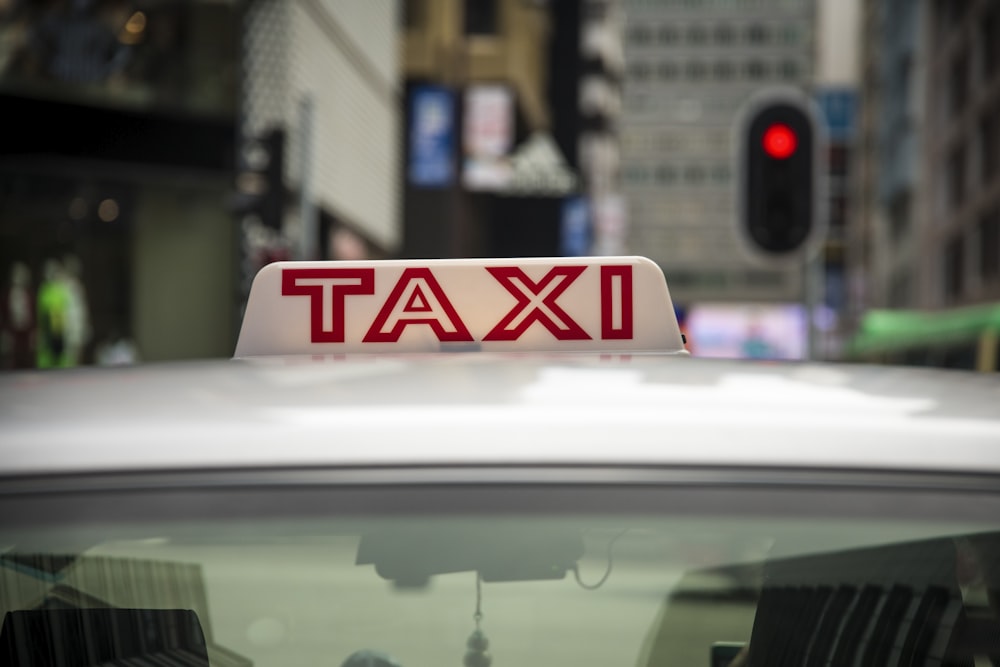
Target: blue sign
pixel 839 107
pixel 432 137
pixel 574 232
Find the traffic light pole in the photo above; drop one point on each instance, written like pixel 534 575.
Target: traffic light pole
pixel 812 273
pixel 308 223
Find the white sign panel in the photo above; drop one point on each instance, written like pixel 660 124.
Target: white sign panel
pixel 611 304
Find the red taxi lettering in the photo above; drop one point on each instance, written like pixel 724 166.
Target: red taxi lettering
pixel 616 302
pixel 417 298
pixel 327 289
pixel 536 302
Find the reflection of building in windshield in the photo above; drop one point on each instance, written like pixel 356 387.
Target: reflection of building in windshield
pixel 53 593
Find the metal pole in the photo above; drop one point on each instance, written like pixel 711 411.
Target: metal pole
pixel 813 274
pixel 308 219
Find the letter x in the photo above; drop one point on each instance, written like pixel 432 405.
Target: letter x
pixel 536 302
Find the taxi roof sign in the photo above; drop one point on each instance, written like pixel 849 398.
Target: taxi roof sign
pixel 606 304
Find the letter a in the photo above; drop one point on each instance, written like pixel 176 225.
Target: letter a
pixel 417 298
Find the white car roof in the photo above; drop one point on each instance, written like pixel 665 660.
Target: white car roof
pixel 497 409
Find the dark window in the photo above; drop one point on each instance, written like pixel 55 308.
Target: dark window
pixel 637 174
pixel 481 17
pixel 899 217
pixel 989 146
pixel 757 34
pixel 899 291
pixel 639 71
pixel 790 34
pixel 989 35
pixel 956 178
pixel 789 70
pixel 694 175
pixel 668 35
pixel 668 71
pixel 954 12
pixel 989 245
pixel 959 83
pixel 838 160
pixel 724 35
pixel 954 268
pixel 639 35
pixel 593 11
pixel 756 70
pixel 721 174
pixel 723 70
pixel 696 71
pixel 838 211
pixel 412 13
pixel 961 357
pixel 697 35
pixel 666 175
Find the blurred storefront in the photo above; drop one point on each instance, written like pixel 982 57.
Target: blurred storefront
pixel 172 147
pixel 116 160
pixel 491 125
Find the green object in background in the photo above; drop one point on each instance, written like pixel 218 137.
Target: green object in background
pixel 53 307
pixel 893 331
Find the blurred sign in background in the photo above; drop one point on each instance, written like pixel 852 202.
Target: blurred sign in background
pixel 487 136
pixel 432 137
pixel 747 331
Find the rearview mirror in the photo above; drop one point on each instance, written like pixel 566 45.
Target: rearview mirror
pixel 409 556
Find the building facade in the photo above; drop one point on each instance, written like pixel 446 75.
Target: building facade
pixel 601 107
pixel 961 157
pixel 120 125
pixel 324 75
pixel 491 118
pixel 928 179
pixel 692 67
pixel 164 151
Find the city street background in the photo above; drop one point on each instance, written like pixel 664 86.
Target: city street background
pixel 159 152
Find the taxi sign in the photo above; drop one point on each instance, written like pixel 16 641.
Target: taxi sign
pixel 607 304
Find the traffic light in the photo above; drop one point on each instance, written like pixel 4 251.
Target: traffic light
pixel 260 188
pixel 780 190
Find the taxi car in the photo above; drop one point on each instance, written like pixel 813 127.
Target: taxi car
pixel 509 462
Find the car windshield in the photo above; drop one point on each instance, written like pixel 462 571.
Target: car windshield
pixel 530 575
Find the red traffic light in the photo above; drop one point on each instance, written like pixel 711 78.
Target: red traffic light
pixel 779 141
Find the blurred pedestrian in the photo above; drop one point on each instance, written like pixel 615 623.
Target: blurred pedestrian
pixel 17 320
pixel 78 329
pixel 53 309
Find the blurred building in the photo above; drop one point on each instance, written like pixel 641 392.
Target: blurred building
pixel 838 104
pixel 170 148
pixel 119 122
pixel 961 155
pixel 928 170
pixel 836 93
pixel 490 132
pixel 692 66
pixel 601 107
pixel 883 245
pixel 321 95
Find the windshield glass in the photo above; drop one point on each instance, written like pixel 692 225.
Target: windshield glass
pixel 559 584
